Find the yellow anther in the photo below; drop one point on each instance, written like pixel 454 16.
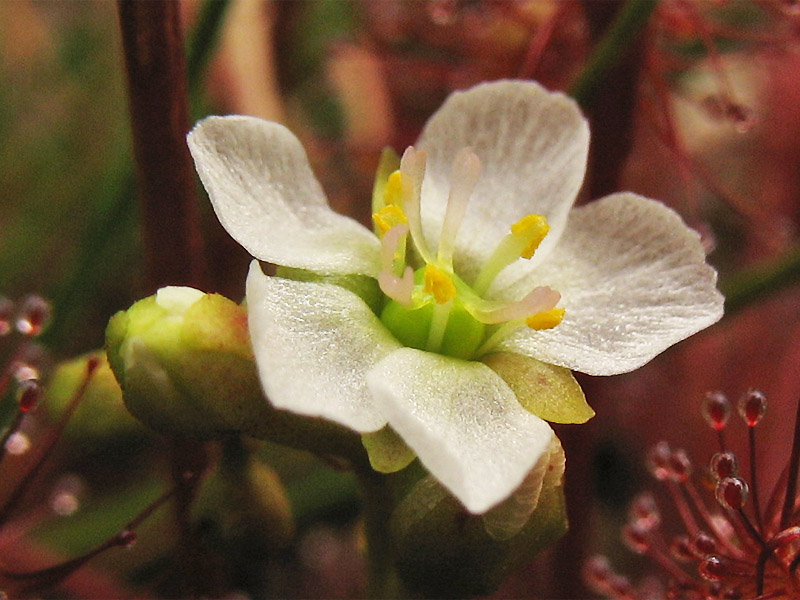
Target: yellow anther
pixel 545 320
pixel 532 228
pixel 393 192
pixel 388 217
pixel 439 284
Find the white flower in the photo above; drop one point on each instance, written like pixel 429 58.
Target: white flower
pixel 628 276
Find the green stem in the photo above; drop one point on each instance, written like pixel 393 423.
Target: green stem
pixel 749 285
pixel 611 49
pixel 378 501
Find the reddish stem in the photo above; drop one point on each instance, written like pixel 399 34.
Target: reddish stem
pixel 152 42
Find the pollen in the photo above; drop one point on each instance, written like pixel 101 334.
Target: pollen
pixel 533 229
pixel 389 216
pixel 545 320
pixel 439 284
pixel 393 192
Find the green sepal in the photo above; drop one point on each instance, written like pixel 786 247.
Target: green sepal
pixel 388 164
pixel 548 391
pixel 445 552
pixel 387 451
pixel 363 286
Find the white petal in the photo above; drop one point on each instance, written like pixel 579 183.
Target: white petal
pixel 532 145
pixel 633 280
pixel 266 196
pixel 313 343
pixel 463 422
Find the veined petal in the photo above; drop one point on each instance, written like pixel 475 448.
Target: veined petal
pixel 313 343
pixel 462 420
pixel 266 196
pixel 532 145
pixel 633 280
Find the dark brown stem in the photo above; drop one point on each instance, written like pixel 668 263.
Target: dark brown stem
pixel 611 104
pixel 791 482
pixel 152 42
pixel 751 431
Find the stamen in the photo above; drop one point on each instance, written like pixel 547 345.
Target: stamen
pixel 389 216
pixel 545 320
pixel 533 229
pixel 393 193
pixel 464 176
pixel 525 237
pixel 539 321
pixel 412 169
pixel 439 319
pixel 439 284
pixel 393 263
pixel 398 288
pixel 539 301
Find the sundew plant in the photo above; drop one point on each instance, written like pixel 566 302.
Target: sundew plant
pixel 398 299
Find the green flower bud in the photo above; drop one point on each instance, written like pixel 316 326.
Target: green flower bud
pixel 184 362
pixel 185 365
pixel 443 551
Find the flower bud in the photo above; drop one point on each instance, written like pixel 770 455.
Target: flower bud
pixel 184 362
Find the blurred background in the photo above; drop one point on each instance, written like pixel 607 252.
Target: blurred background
pixel 698 110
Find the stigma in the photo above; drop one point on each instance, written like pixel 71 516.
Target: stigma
pixel 431 308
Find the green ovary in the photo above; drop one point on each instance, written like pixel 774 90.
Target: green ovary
pixel 462 337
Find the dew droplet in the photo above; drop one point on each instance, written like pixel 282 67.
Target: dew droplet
pixel 658 460
pixel 703 544
pixel 24 372
pixel 6 315
pixel 596 572
pixel 64 504
pixel 636 537
pixel 713 568
pixel 66 494
pixel 752 407
pixel 732 492
pixel 126 538
pixel 28 395
pixel 679 466
pixel 716 410
pixel 681 548
pixel 785 537
pixel 621 588
pixel 644 511
pixel 724 464
pixel 18 443
pixel 33 316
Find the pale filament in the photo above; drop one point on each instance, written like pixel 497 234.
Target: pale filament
pixel 464 176
pixel 538 300
pixel 412 170
pixel 397 288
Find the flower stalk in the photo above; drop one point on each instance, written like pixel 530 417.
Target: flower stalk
pixel 152 42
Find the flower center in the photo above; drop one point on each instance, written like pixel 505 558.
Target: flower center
pixel 432 308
